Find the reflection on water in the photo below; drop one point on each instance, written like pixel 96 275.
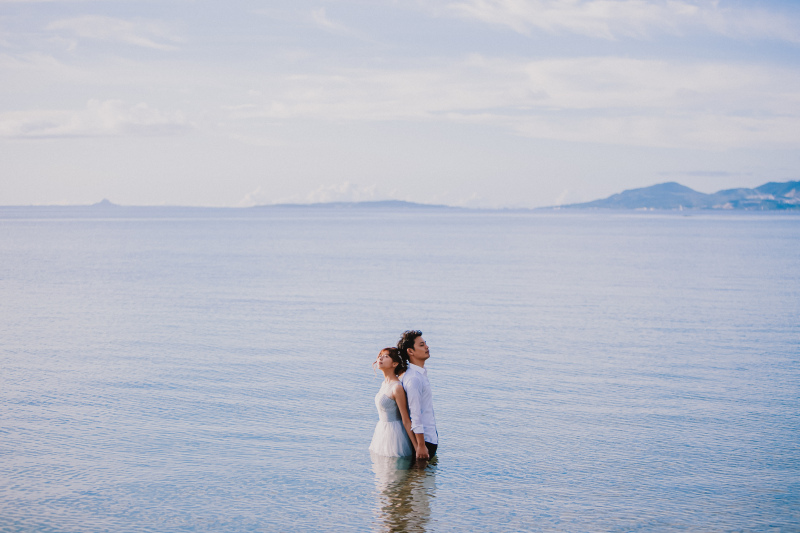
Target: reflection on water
pixel 404 492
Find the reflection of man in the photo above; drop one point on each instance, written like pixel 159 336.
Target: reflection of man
pixel 418 391
pixel 405 493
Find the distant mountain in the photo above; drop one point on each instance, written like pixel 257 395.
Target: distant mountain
pixel 394 204
pixel 770 196
pixel 105 202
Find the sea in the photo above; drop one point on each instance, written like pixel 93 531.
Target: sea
pixel 209 370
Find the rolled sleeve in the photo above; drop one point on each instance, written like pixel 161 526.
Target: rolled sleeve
pixel 414 394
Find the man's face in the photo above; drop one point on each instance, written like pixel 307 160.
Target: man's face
pixel 420 350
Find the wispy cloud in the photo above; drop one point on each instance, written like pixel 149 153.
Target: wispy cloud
pixel 99 119
pixel 322 20
pixel 32 61
pixel 342 192
pixel 45 1
pixel 144 33
pixel 600 99
pixel 613 19
pixel 53 1
pixel 722 174
pixel 257 196
pixel 338 192
pixel 569 196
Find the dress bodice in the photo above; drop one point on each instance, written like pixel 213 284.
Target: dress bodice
pixel 387 407
pixel 390 438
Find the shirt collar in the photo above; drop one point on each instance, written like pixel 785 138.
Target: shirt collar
pixel 420 369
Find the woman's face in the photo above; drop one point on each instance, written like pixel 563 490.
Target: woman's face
pixel 384 361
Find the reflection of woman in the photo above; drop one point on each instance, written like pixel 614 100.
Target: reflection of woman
pixel 405 492
pixel 392 437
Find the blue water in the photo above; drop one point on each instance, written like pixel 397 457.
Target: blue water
pixel 209 370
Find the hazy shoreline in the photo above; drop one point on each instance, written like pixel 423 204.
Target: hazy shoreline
pixel 187 212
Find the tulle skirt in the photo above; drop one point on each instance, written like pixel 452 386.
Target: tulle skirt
pixel 391 440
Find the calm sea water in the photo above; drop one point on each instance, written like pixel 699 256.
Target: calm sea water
pixel 209 370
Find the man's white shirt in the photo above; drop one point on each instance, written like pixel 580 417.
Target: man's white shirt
pixel 420 402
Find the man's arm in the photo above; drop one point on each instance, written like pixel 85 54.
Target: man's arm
pixel 414 393
pixel 422 449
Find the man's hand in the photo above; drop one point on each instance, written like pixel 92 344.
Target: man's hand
pixel 422 450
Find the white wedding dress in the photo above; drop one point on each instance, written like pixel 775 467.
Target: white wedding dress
pixel 390 438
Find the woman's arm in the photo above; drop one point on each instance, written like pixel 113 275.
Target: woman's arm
pixel 399 396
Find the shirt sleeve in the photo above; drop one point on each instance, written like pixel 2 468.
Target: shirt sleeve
pixel 414 394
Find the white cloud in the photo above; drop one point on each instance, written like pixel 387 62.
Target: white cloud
pixel 601 99
pixel 321 19
pixel 257 196
pixel 144 33
pixel 460 200
pixel 684 131
pixel 342 192
pixel 49 1
pixel 253 140
pixel 571 196
pixel 99 119
pixel 612 19
pixel 32 61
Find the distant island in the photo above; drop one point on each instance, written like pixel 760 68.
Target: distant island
pixel 381 204
pixel 664 196
pixel 393 204
pixel 768 197
pixel 108 209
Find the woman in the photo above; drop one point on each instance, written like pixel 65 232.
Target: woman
pixel 393 435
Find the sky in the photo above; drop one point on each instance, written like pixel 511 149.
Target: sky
pixel 478 103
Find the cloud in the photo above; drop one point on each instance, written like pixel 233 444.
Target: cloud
pixel 341 192
pixel 614 19
pixel 706 174
pixel 460 200
pixel 597 99
pixel 321 19
pixel 147 34
pixel 257 196
pixel 254 140
pixel 99 119
pixel 49 1
pixel 687 131
pixel 32 61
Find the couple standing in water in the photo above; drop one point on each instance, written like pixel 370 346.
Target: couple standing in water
pixel 407 426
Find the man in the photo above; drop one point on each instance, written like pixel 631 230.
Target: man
pixel 414 350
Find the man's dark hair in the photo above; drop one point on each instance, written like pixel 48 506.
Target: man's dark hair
pixel 407 341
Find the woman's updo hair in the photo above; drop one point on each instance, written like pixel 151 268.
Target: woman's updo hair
pixel 394 353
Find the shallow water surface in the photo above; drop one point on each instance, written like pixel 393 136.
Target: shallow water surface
pixel 209 370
